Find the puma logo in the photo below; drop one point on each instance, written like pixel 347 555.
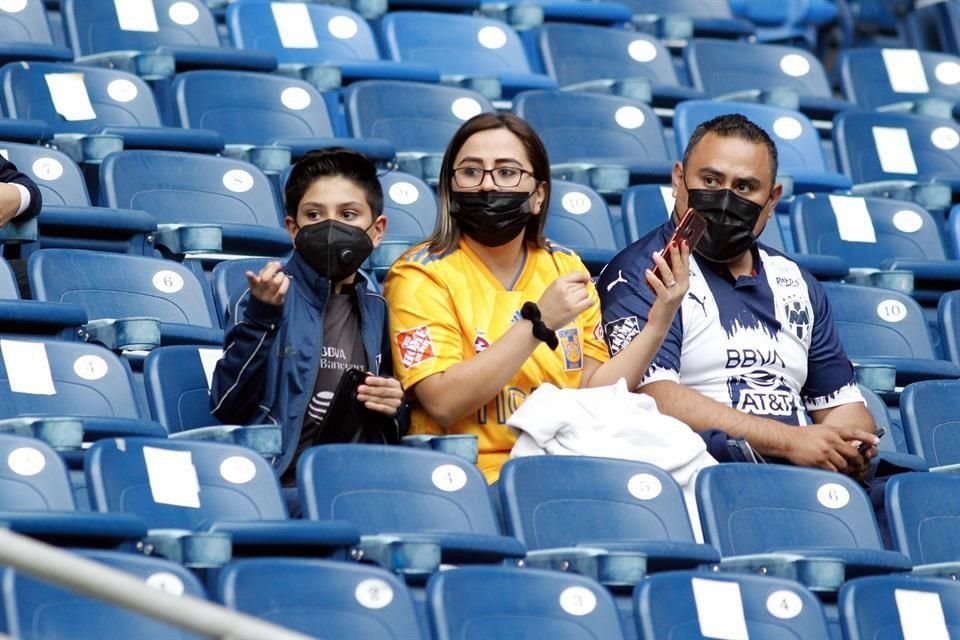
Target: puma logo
pixel 619 279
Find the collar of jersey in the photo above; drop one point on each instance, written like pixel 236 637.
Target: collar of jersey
pixel 520 280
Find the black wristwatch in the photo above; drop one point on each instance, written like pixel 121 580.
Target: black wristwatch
pixel 530 311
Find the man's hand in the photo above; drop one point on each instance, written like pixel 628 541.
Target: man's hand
pixel 828 447
pixel 270 285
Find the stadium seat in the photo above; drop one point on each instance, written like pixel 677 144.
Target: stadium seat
pixel 802 166
pixel 411 210
pixel 25 34
pixel 487 603
pixel 617 61
pixel 229 282
pixel 787 21
pixel 877 233
pixel 899 608
pixel 483 54
pixel 883 326
pixel 35 610
pixel 527 14
pixel 416 494
pixel 761 509
pixel 948 315
pixel 124 35
pixel 94 110
pixel 212 490
pixel 263 110
pixel 923 82
pixel 682 19
pixel 931 420
pixel 677 604
pixel 140 299
pixel 586 132
pixel 24 130
pixel 177 381
pixel 931 26
pixel 322 44
pixel 777 75
pixel 331 599
pixel 551 502
pixel 578 219
pixel 186 193
pixel 417 119
pixel 924 517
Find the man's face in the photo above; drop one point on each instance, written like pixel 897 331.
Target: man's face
pixel 718 162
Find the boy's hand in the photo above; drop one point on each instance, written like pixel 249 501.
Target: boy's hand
pixel 381 394
pixel 270 285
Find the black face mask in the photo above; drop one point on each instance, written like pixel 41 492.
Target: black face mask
pixel 492 218
pixel 730 223
pixel 333 249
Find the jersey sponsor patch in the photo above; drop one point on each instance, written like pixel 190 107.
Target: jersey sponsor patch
pixel 415 345
pixel 620 332
pixel 572 351
pixel 480 343
pixel 799 314
pixel 598 331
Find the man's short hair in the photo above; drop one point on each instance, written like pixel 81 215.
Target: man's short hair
pixel 735 125
pixel 333 162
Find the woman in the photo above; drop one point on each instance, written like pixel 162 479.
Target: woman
pixel 486 310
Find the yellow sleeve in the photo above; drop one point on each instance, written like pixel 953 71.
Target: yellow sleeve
pixel 425 336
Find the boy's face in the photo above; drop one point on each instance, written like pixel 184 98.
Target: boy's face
pixel 340 199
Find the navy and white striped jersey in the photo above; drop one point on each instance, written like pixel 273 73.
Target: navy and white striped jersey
pixel 764 344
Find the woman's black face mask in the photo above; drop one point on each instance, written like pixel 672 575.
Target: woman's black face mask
pixel 492 218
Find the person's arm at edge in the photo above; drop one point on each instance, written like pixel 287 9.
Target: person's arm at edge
pixel 19 195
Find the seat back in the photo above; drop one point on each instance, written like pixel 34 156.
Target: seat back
pixel 719 67
pixel 112 285
pixel 383 489
pixel 56 378
pixel 578 218
pixel 250 108
pixel 875 77
pixel 301 33
pixel 229 283
pixel 182 484
pixel 931 420
pixel 878 322
pixel 25 22
pixel 95 27
pixel 581 126
pixel 332 599
pixel 485 603
pixel 36 610
pixel 924 516
pixel 76 99
pixel 888 146
pixel 177 380
pixel 412 116
pixel 454 44
pixel 32 477
pixel 865 232
pixel 669 605
pixel 409 205
pixel 715 9
pixel 574 53
pixel 9 290
pixel 948 312
pixel 749 508
pixel 900 607
pixel 57 176
pixel 556 501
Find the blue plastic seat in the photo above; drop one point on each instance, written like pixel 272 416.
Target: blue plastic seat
pixel 331 600
pixel 487 603
pixel 578 219
pixel 948 318
pixel 420 494
pixel 229 282
pixel 931 420
pixel 924 516
pixel 778 75
pixel 930 27
pixel 788 20
pixel 886 606
pixel 801 161
pixel 112 286
pixel 551 502
pixel 35 610
pixel 485 53
pixel 618 61
pixel 263 110
pixel 319 42
pixel 24 130
pixel 177 381
pixel 100 104
pixel 900 79
pixel 883 326
pixel 184 30
pixel 598 130
pixel 411 210
pixel 676 604
pixel 197 190
pixel 25 34
pixel 521 13
pixel 758 509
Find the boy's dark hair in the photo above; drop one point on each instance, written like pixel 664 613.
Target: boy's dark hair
pixel 325 163
pixel 734 125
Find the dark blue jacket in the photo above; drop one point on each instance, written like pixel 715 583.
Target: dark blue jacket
pixel 271 354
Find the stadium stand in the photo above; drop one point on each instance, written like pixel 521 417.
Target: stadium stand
pixel 25 34
pixel 931 420
pixel 923 514
pixel 683 19
pixel 904 606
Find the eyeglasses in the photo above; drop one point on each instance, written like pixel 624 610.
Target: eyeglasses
pixel 470 177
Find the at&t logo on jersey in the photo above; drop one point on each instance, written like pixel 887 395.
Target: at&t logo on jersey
pixel 760 393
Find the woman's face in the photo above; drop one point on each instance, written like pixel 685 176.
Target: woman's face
pixel 496 156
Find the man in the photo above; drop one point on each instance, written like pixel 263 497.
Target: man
pixel 753 351
pixel 19 196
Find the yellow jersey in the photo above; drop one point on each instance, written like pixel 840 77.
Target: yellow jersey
pixel 445 309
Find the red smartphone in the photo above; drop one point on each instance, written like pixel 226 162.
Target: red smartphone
pixel 690 229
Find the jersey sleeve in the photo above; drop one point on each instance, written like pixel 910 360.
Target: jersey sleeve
pixel 425 336
pixel 830 378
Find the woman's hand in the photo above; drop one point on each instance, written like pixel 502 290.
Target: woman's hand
pixel 384 395
pixel 567 297
pixel 672 285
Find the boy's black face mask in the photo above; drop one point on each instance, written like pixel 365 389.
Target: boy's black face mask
pixel 730 223
pixel 333 249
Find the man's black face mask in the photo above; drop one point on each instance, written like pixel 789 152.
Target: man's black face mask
pixel 730 222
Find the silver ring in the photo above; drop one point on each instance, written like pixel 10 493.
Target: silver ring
pixel 672 284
